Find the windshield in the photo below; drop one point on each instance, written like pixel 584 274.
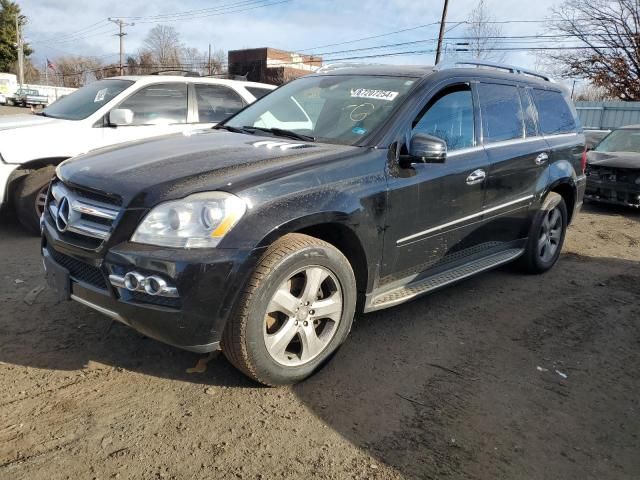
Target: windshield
pixel 87 100
pixel 341 109
pixel 625 140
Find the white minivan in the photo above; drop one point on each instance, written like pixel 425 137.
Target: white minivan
pixel 103 113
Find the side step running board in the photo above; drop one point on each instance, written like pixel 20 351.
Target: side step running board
pixel 425 285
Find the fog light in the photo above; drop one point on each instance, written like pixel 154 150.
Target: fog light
pixel 154 285
pixel 133 281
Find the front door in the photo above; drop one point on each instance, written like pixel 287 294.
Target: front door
pixel 433 208
pixel 158 109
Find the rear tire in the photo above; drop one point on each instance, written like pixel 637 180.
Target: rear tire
pixel 294 313
pixel 546 235
pixel 30 196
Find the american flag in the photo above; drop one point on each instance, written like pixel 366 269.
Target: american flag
pixel 50 64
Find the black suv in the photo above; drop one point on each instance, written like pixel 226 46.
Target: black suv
pixel 353 189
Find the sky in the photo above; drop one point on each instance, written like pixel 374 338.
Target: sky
pixel 65 27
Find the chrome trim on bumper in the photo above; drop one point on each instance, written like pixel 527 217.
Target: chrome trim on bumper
pixel 98 308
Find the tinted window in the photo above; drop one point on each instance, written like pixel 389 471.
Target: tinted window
pixel 257 92
pixel 449 116
pixel 88 99
pixel 554 114
pixel 159 104
pixel 502 116
pixel 529 113
pixel 215 103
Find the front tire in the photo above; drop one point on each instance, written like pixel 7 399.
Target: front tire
pixel 30 197
pixel 295 311
pixel 546 235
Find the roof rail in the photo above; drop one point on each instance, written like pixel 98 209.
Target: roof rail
pixel 329 67
pixel 497 66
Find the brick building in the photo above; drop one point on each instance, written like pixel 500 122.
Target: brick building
pixel 272 66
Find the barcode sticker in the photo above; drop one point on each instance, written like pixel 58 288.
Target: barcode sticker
pixel 375 94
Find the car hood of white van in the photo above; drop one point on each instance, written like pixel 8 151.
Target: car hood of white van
pixel 31 137
pixel 25 120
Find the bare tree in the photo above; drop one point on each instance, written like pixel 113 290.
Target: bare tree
pixel 164 45
pixel 483 35
pixel 606 47
pixel 591 93
pixel 194 60
pixel 76 71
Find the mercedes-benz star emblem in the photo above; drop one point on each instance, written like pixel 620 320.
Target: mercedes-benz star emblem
pixel 62 217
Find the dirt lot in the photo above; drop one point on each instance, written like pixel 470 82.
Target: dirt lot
pixel 467 383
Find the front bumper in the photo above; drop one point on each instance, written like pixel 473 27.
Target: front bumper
pixel 208 283
pixel 616 193
pixel 6 171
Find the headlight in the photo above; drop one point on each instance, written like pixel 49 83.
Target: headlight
pixel 197 221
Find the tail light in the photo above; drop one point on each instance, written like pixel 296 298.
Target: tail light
pixel 583 161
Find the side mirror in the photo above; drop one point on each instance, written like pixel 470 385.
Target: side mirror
pixel 120 117
pixel 426 149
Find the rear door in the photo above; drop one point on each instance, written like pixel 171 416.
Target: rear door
pixel 518 157
pixel 215 103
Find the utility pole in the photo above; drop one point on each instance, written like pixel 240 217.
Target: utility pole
pixel 121 24
pixel 441 34
pixel 20 46
pixel 209 59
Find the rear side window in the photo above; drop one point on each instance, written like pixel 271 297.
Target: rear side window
pixel 216 103
pixel 449 116
pixel 529 113
pixel 502 114
pixel 257 91
pixel 159 104
pixel 554 115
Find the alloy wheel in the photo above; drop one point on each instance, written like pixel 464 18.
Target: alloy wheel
pixel 303 316
pixel 550 235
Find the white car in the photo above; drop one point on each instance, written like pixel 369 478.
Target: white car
pixel 103 113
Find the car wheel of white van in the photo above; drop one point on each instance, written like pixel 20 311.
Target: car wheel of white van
pixel 546 235
pixel 295 311
pixel 30 197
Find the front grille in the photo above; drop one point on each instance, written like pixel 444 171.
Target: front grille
pixel 83 218
pixel 79 270
pixel 614 175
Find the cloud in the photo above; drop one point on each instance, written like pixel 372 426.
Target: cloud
pixel 295 25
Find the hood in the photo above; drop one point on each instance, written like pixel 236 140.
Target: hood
pixel 29 137
pixel 146 172
pixel 25 120
pixel 614 159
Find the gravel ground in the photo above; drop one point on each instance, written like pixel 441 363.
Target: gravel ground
pixel 6 110
pixel 501 376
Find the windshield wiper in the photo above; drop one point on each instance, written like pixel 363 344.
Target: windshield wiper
pixel 280 132
pixel 233 129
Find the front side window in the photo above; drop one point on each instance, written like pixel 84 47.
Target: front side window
pixel 449 116
pixel 342 109
pixel 160 104
pixel 624 140
pixel 86 100
pixel 502 115
pixel 216 102
pixel 553 112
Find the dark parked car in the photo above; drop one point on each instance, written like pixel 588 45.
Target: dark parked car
pixel 350 190
pixel 613 168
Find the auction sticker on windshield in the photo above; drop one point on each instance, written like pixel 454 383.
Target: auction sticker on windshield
pixel 100 95
pixel 377 94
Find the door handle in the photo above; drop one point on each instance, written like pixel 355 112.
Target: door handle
pixel 477 176
pixel 542 158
